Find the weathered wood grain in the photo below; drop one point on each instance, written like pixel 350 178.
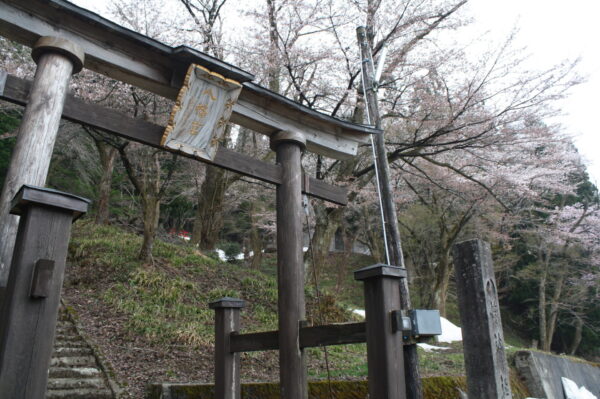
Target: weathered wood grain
pixel 485 359
pixel 16 90
pixel 254 342
pixel 333 334
pixel 385 355
pixel 27 324
pixel 227 362
pixel 132 58
pixel 266 120
pixel 290 268
pixel 31 155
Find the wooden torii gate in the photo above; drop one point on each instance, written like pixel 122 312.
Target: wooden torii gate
pixel 66 38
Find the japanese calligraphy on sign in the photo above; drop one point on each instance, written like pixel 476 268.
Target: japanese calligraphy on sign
pixel 201 113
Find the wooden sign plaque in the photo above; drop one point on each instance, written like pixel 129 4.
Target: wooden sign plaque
pixel 201 113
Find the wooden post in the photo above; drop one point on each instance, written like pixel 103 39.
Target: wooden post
pixel 394 243
pixel 227 363
pixel 290 267
pixel 485 359
pixel 30 308
pixel 385 355
pixel 57 59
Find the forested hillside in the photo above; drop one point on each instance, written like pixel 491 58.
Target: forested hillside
pixel 473 148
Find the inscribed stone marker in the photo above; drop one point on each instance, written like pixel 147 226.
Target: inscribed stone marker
pixel 485 359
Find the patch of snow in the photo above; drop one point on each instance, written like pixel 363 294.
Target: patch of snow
pixel 450 332
pixel 359 312
pixel 223 257
pixel 431 348
pixel 572 391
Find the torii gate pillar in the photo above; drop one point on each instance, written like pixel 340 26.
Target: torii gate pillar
pixel 57 59
pixel 290 269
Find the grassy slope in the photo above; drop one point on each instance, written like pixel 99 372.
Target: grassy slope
pixel 152 321
pixel 166 301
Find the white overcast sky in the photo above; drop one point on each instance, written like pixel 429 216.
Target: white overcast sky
pixel 552 30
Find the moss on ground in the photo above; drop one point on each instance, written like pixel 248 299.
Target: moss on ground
pixel 433 388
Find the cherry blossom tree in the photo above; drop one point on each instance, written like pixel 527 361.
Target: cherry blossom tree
pixel 565 241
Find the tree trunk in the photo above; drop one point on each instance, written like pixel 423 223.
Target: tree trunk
pixel 150 214
pixel 542 309
pixel 341 270
pixel 209 214
pixel 149 188
pixel 577 337
pixel 107 155
pixel 375 245
pixel 441 281
pixel 553 313
pixel 326 223
pixel 256 242
pixel 273 71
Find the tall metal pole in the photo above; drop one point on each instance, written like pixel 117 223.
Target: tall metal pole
pixel 57 59
pixel 414 389
pixel 290 267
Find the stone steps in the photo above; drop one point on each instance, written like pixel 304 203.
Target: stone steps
pixel 72 351
pixel 73 361
pixel 67 337
pixel 79 394
pixel 76 383
pixel 62 343
pixel 74 372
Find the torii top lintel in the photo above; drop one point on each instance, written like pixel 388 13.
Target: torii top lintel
pixel 133 58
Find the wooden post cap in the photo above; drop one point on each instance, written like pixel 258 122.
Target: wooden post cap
pixel 289 137
pixel 380 270
pixel 227 303
pixel 30 195
pixel 62 46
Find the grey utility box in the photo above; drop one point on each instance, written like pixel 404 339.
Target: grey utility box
pixel 425 323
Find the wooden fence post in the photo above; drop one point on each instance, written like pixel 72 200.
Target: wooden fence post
pixel 485 359
pixel 290 267
pixel 227 363
pixel 57 59
pixel 30 308
pixel 385 356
